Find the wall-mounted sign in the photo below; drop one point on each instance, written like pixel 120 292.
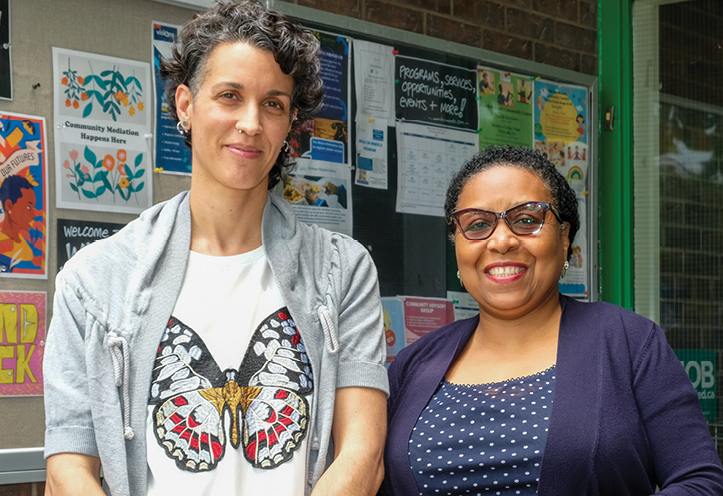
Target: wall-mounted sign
pixel 22 343
pixel 701 367
pixel 75 234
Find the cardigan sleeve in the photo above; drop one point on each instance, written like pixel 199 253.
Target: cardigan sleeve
pixel 684 456
pixel 68 419
pixel 361 325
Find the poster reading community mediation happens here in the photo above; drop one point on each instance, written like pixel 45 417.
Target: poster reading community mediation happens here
pixel 102 140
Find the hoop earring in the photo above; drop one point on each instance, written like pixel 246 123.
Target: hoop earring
pixel 565 266
pixel 181 128
pixel 459 276
pixel 286 147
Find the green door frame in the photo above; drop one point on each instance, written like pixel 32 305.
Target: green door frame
pixel 615 170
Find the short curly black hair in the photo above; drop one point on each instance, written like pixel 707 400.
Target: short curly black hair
pixel 295 49
pixel 563 197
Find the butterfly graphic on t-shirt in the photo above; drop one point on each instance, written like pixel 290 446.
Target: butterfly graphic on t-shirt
pixel 265 397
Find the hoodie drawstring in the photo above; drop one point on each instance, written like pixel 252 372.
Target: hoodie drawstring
pixel 327 325
pixel 121 366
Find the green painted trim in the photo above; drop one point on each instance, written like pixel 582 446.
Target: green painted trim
pixel 615 170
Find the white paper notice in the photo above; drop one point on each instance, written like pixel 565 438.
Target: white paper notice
pixel 320 193
pixel 371 152
pixel 464 305
pixel 374 79
pixel 428 158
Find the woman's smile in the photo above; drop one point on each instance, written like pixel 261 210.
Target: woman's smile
pixel 505 272
pixel 244 151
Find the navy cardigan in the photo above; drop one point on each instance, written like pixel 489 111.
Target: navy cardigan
pixel 625 416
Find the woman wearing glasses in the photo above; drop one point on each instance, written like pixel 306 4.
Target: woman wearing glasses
pixel 539 394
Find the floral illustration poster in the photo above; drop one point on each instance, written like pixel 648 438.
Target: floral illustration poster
pixel 103 131
pixel 22 343
pixel 23 196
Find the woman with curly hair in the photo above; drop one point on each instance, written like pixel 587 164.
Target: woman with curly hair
pixel 216 344
pixel 539 393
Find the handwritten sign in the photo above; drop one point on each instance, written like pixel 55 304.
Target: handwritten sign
pixel 435 93
pixel 75 234
pixel 22 343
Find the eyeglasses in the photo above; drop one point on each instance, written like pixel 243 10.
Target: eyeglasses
pixel 476 224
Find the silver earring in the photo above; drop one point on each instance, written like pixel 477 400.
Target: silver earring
pixel 459 276
pixel 565 266
pixel 286 147
pixel 181 128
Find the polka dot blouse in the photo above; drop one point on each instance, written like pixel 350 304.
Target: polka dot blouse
pixel 483 439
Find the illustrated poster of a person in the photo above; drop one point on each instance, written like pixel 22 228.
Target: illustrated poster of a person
pixel 504 97
pixel 524 91
pixel 20 243
pixel 581 127
pixel 487 84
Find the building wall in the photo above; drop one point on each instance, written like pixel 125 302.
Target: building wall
pixel 562 33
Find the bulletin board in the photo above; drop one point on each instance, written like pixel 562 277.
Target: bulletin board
pixel 411 250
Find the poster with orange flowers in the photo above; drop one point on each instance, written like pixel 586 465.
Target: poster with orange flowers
pixel 103 132
pixel 23 196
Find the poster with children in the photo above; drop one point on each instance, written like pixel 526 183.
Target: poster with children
pixel 23 196
pixel 561 135
pixel 505 108
pixel 393 311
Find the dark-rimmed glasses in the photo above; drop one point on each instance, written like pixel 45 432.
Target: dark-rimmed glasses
pixel 526 218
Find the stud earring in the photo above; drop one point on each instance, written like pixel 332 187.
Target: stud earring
pixel 565 266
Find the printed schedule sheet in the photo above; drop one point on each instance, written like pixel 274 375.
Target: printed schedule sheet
pixel 428 158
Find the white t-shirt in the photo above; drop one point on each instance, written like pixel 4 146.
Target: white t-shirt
pixel 230 346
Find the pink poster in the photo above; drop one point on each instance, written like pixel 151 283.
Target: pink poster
pixel 423 315
pixel 22 343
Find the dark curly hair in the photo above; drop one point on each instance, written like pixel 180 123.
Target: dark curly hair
pixel 294 49
pixel 563 197
pixel 12 189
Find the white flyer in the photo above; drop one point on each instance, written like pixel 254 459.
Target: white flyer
pixel 371 152
pixel 320 193
pixel 464 305
pixel 374 79
pixel 428 158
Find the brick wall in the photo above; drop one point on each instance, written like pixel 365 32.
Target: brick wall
pixel 561 33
